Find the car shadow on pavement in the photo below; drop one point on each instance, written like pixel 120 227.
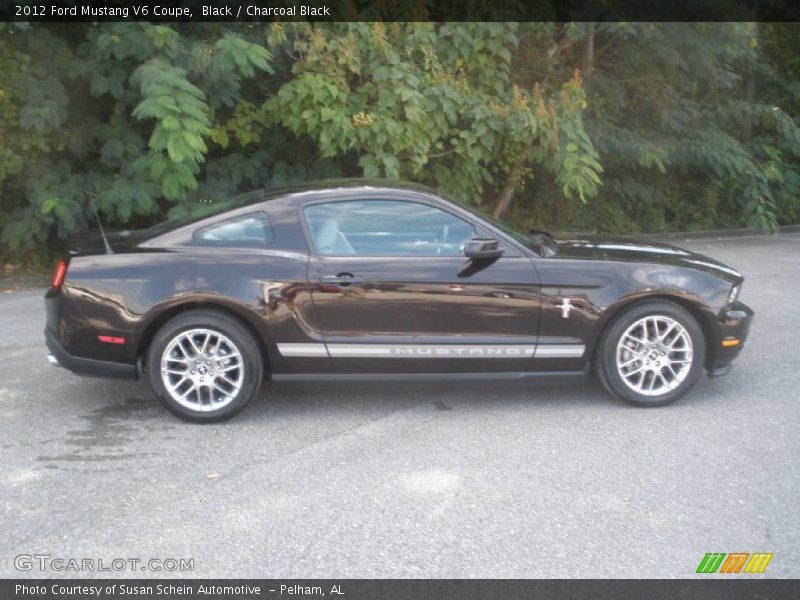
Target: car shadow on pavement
pixel 367 399
pixel 138 404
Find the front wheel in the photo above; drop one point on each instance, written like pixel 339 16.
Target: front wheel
pixel 652 354
pixel 204 366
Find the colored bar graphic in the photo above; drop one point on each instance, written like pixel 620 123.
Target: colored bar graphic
pixel 734 562
pixel 758 562
pixel 701 568
pixel 710 562
pixel 713 562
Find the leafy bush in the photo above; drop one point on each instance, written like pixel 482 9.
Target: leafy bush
pixel 618 127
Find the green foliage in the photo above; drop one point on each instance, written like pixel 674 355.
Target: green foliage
pixel 433 103
pixel 697 107
pixel 585 126
pixel 176 145
pixel 120 113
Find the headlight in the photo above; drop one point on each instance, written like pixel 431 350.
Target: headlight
pixel 734 295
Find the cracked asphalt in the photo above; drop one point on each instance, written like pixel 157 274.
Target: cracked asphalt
pixel 421 482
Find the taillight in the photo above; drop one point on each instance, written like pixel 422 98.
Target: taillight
pixel 58 275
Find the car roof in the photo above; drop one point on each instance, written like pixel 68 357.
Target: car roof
pixel 284 195
pixel 342 184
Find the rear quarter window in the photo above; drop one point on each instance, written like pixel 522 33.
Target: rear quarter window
pixel 252 230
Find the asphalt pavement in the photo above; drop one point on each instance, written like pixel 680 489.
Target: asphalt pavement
pixel 424 482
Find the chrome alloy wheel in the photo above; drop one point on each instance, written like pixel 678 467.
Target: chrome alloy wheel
pixel 202 370
pixel 654 355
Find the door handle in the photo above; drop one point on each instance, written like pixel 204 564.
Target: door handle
pixel 342 280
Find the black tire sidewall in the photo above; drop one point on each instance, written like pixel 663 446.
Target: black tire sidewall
pixel 232 329
pixel 607 367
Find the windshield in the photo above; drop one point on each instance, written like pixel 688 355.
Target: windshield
pixel 515 234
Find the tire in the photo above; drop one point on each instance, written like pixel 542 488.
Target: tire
pixel 204 366
pixel 634 363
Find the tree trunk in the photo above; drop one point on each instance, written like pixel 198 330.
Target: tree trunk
pixel 749 97
pixel 503 200
pixel 507 195
pixel 588 58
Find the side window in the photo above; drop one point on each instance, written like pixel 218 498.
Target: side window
pixel 385 228
pixel 252 230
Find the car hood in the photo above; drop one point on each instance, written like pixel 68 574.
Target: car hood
pixel 628 250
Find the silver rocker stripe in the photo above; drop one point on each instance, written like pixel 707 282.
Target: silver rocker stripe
pixel 306 350
pixel 431 350
pixel 560 351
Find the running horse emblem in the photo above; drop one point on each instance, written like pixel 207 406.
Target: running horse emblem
pixel 565 307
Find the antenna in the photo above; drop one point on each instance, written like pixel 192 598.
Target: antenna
pixel 99 225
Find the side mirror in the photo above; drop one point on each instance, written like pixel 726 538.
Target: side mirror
pixel 482 248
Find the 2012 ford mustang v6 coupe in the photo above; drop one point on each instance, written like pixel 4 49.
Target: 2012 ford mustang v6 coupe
pixel 357 280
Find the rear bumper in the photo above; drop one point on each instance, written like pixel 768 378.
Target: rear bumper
pixel 733 325
pixel 88 366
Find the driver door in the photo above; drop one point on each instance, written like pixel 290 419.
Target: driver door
pixel 393 292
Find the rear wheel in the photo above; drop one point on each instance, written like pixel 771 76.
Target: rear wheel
pixel 652 354
pixel 205 366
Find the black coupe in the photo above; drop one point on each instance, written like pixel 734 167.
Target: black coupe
pixel 365 280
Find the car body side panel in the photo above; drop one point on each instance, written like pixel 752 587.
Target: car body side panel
pixel 127 294
pixel 599 289
pixel 416 309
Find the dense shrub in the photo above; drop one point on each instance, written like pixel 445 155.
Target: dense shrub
pixel 617 127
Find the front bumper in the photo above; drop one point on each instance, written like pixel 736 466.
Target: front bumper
pixel 733 326
pixel 87 366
